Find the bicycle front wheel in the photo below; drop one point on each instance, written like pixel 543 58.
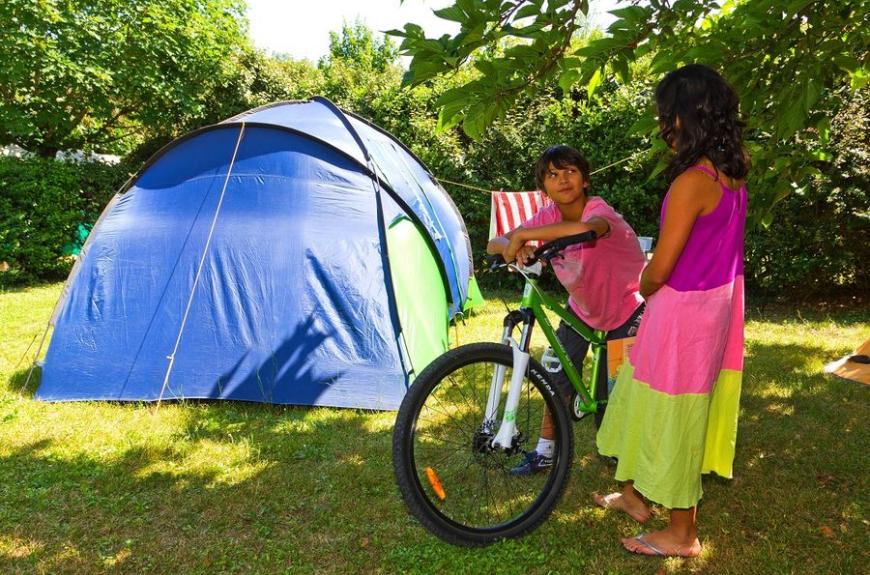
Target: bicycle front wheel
pixel 453 480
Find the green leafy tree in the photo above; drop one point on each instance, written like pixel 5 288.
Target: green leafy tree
pixel 256 78
pixel 102 74
pixel 788 60
pixel 359 67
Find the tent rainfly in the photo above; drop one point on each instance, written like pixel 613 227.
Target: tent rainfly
pixel 293 254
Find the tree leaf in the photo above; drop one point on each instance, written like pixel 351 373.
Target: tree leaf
pixel 644 125
pixel 594 82
pixel 527 11
pixel 452 13
pixel 631 14
pixel 568 78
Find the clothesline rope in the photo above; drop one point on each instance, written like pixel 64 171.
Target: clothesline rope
pixel 488 191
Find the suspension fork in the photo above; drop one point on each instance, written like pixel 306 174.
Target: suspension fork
pixel 508 429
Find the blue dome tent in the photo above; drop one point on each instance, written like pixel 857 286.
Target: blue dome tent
pixel 293 254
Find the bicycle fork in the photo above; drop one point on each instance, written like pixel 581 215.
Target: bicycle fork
pixel 507 432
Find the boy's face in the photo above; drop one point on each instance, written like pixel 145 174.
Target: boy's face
pixel 564 185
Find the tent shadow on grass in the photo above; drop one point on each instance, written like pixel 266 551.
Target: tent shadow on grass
pixel 16 382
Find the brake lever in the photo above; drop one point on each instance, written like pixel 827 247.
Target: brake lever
pixel 534 269
pixel 495 262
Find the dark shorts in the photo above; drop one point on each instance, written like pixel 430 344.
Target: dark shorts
pixel 577 347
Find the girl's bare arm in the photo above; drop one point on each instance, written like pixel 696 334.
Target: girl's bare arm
pixel 685 204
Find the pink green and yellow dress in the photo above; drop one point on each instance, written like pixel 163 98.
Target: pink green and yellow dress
pixel 672 415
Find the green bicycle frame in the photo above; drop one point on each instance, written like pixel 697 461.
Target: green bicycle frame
pixel 536 300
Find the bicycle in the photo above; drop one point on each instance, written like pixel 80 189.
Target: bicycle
pixel 454 444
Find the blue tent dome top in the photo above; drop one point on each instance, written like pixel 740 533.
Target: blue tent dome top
pixel 407 177
pixel 318 117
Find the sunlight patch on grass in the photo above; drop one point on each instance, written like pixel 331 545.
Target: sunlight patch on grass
pixel 776 390
pixel 352 459
pixel 380 421
pixel 221 463
pixel 18 547
pixel 780 408
pixel 117 559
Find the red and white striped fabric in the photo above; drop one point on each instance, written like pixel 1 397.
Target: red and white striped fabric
pixel 510 209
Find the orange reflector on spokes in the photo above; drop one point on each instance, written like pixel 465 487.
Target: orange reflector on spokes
pixel 435 483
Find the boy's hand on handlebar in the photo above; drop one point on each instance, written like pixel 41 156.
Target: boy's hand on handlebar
pixel 515 243
pixel 517 250
pixel 525 254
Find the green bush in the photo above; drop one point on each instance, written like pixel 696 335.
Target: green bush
pixel 46 210
pixel 818 242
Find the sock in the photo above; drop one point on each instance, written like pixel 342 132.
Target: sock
pixel 545 447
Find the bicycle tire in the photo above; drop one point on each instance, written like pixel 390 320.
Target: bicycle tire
pixel 443 401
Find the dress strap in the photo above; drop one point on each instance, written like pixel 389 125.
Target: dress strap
pixel 707 171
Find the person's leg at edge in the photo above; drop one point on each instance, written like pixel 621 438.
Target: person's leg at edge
pixel 679 538
pixel 576 347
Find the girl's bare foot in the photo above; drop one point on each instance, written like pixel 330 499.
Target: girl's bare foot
pixel 630 504
pixel 663 543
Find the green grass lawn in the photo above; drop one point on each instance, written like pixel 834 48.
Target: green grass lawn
pixel 238 488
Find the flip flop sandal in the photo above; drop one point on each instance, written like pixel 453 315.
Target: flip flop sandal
pixel 656 552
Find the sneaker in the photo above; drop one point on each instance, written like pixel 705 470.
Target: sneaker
pixel 533 463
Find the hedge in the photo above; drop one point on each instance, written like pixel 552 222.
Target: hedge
pixel 47 209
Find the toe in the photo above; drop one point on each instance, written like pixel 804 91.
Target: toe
pixel 632 544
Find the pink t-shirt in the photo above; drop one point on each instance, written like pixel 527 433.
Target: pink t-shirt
pixel 602 277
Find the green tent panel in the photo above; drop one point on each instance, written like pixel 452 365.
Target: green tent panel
pixel 420 296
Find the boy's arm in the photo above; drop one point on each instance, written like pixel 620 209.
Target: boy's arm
pixel 550 232
pixel 558 230
pixel 497 245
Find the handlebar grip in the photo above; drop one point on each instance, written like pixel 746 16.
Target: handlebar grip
pixel 546 251
pixel 562 243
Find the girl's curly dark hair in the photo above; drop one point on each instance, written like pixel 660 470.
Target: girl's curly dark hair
pixel 706 107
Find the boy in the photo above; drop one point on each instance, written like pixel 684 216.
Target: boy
pixel 601 277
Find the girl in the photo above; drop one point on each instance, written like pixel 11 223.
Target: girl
pixel 673 412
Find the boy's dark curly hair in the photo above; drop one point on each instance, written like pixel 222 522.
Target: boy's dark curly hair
pixel 706 107
pixel 561 156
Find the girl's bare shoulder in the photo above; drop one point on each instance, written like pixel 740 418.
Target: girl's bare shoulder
pixel 695 188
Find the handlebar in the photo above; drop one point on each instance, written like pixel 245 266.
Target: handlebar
pixel 549 250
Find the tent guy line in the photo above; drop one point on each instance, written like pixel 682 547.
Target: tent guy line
pixel 171 356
